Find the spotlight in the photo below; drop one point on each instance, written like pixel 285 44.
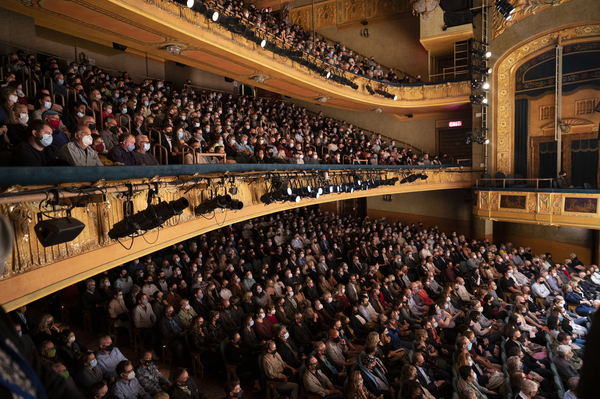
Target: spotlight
pixel 58 230
pixel 220 201
pixel 480 52
pixel 478 99
pixel 190 3
pixel 505 9
pixel 486 86
pixel 150 218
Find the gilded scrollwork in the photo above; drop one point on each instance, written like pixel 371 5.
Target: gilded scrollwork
pixel 484 200
pixel 495 200
pixel 557 204
pixel 531 202
pixel 544 202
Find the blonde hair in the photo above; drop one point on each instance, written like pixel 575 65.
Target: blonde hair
pixel 462 360
pixel 14 112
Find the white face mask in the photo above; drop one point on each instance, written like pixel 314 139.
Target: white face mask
pixel 24 118
pixel 131 375
pixel 72 339
pixel 87 140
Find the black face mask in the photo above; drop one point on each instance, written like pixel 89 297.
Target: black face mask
pixel 336 340
pixel 148 362
pixel 92 126
pixel 109 348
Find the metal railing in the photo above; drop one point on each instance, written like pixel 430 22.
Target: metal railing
pixel 511 182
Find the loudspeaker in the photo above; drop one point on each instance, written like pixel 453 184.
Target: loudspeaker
pixel 228 80
pixel 118 46
pixel 58 231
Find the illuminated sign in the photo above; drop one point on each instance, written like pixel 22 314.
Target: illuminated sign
pixel 455 124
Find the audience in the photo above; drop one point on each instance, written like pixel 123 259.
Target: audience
pixel 175 126
pixel 354 328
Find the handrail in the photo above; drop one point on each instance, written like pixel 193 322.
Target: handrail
pixel 516 182
pixel 51 175
pixel 191 16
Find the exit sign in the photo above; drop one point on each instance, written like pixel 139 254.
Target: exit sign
pixel 455 124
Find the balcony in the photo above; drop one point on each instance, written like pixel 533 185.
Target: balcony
pixel 33 271
pixel 168 30
pixel 551 207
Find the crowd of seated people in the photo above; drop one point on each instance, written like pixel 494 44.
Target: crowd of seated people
pixel 337 307
pixel 114 121
pixel 317 46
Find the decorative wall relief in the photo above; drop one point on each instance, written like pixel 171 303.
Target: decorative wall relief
pixel 523 9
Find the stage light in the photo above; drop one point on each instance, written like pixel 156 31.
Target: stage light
pixel 150 218
pixel 190 3
pixel 57 230
pixel 505 9
pixel 220 201
pixel 486 86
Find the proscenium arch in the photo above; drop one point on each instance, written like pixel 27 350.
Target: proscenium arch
pixel 505 70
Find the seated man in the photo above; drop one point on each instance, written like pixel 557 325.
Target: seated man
pixel 37 149
pixel 561 360
pixel 79 152
pixel 108 357
pixel 142 151
pixel 127 386
pixel 183 386
pixel 123 152
pixel 374 378
pixel 467 382
pixel 438 388
pixel 316 383
pixel 149 377
pixel 275 369
pixel 337 351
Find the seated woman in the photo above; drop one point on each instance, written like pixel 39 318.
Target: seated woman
pixel 408 374
pixel 514 364
pixel 356 390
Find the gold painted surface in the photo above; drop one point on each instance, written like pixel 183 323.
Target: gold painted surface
pixel 505 71
pixel 542 208
pixel 523 9
pixel 343 12
pixel 33 271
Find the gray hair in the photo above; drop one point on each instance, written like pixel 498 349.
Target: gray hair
pixel 562 350
pixel 528 387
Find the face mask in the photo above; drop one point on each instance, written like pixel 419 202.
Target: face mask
pixel 470 346
pixel 124 111
pixel 100 147
pixel 180 135
pixel 24 118
pixel 131 147
pixel 251 323
pixel 147 147
pixel 72 339
pixel 13 99
pixel 54 124
pixel 51 353
pixel 94 363
pixel 87 140
pixel 65 374
pixel 131 375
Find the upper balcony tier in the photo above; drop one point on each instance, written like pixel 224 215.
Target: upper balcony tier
pixel 169 30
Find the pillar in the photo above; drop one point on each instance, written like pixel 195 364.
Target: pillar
pixel 483 229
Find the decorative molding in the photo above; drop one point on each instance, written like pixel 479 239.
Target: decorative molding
pixel 505 82
pixel 523 9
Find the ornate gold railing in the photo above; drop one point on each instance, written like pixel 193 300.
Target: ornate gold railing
pixel 27 276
